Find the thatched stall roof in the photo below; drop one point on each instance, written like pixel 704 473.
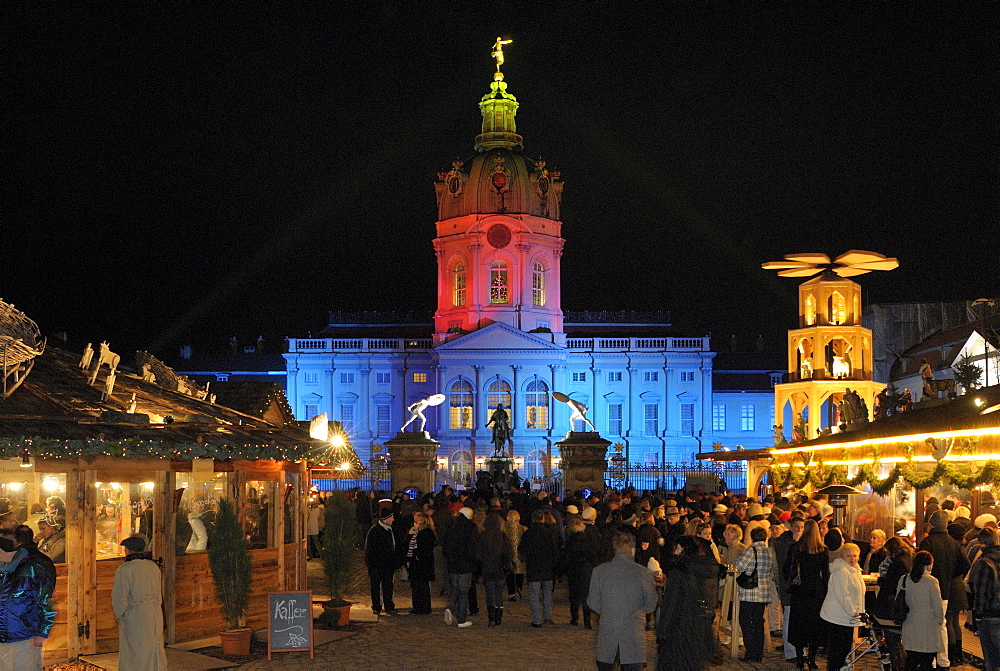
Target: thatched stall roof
pixel 57 413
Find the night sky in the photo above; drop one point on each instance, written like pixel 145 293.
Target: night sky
pixel 183 175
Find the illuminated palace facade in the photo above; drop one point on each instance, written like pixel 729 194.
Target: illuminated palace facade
pixel 499 335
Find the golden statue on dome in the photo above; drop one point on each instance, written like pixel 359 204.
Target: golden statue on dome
pixel 498 55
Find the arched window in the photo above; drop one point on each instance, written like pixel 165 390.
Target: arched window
pixel 460 402
pixel 458 293
pixel 538 285
pixel 810 311
pixel 498 392
pixel 537 408
pixel 837 307
pixel 461 466
pixel 498 282
pixel 534 464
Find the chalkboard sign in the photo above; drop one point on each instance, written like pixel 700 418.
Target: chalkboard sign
pixel 289 622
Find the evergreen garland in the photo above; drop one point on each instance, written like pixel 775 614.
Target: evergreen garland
pixel 944 471
pixel 139 448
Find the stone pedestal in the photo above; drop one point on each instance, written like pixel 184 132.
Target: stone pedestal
pixel 584 460
pixel 412 461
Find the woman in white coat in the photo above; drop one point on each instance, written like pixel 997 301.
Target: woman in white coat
pixel 844 603
pixel 137 602
pixel 923 636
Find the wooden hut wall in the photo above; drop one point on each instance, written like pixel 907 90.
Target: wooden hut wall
pixel 85 622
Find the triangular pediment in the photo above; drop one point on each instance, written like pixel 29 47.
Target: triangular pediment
pixel 499 336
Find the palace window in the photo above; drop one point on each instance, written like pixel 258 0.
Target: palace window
pixel 420 377
pixel 458 294
pixel 310 377
pixel 460 405
pixel 347 378
pixel 747 419
pixel 538 285
pixel 651 419
pixel 687 419
pixel 347 418
pixel 537 409
pixel 534 464
pixel 383 378
pixel 650 376
pixel 579 377
pixel 687 376
pixel 382 410
pixel 718 417
pixel 498 392
pixel 461 466
pixel 498 282
pixel 615 419
pixel 311 410
pixel 614 376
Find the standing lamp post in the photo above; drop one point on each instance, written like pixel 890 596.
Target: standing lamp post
pixel 837 495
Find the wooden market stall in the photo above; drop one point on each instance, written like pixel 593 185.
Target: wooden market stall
pixel 947 448
pixel 107 459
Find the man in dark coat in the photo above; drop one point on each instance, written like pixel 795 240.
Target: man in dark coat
pixel 672 526
pixel 460 558
pixel 539 548
pixel 582 554
pixel 950 567
pixel 382 557
pixel 781 545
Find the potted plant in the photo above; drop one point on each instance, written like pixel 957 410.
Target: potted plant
pixel 229 560
pixel 339 540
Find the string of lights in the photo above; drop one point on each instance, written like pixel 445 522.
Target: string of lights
pixel 93 448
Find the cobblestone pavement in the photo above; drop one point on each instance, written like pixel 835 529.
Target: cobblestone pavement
pixel 425 642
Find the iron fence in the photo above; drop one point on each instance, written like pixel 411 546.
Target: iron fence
pixel 653 477
pixel 366 483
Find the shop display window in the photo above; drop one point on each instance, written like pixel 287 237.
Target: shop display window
pixel 258 513
pixel 38 500
pixel 197 509
pixel 292 493
pixel 123 508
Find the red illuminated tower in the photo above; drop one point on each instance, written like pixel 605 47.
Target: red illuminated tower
pixel 499 237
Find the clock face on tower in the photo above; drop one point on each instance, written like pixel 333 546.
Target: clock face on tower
pixel 498 236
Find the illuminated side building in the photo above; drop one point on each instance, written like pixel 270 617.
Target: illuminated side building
pixel 831 351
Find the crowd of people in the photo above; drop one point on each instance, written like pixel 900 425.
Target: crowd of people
pixel 633 562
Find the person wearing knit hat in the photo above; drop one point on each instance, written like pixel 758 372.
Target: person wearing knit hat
pixel 720 508
pixel 460 557
pixel 589 515
pixel 755 512
pixel 136 599
pixel 572 510
pixel 939 519
pixel 981 520
pixel 383 552
pixel 961 524
pixel 950 566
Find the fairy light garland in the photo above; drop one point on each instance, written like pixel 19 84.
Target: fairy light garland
pixel 92 448
pixel 818 476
